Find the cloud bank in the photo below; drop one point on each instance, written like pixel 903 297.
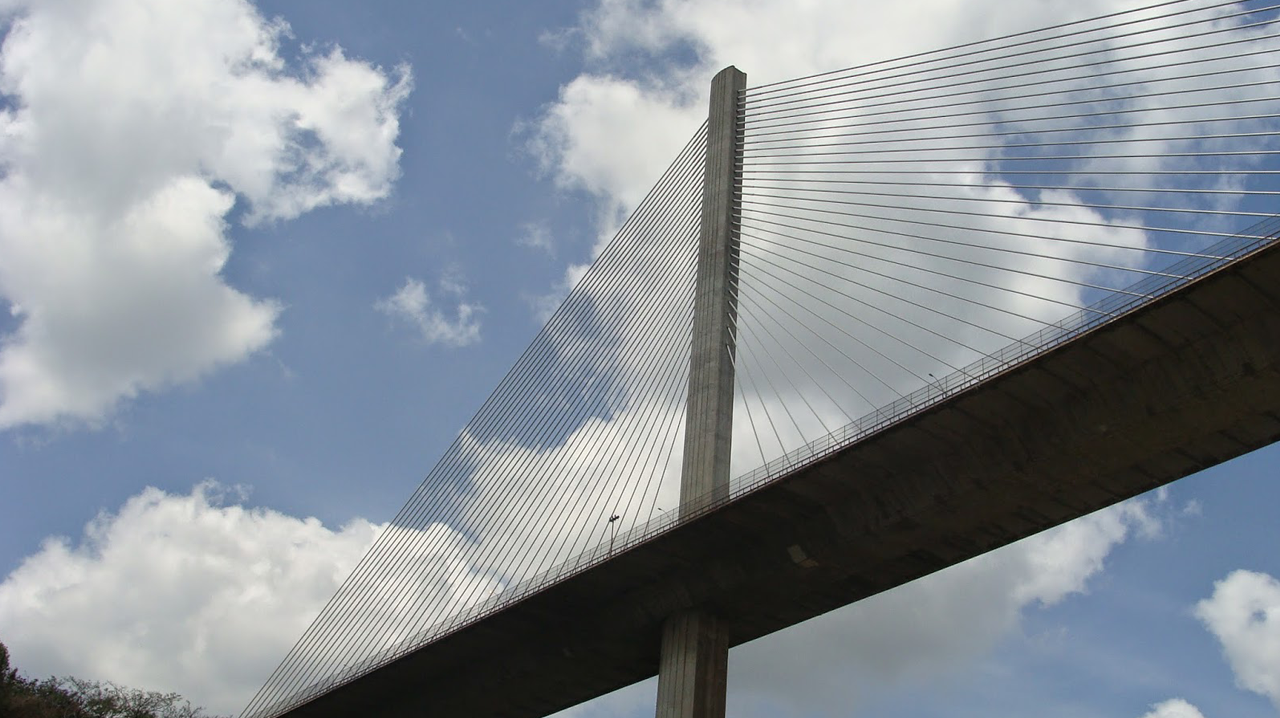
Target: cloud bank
pixel 131 134
pixel 182 593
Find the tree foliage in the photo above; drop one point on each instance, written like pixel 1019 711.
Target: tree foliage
pixel 78 698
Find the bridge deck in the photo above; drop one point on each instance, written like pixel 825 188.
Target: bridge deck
pixel 1184 383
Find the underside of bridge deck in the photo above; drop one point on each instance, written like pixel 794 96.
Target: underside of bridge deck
pixel 1186 382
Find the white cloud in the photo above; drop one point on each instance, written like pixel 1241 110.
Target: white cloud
pixel 1174 708
pixel 176 593
pixel 590 139
pixel 411 303
pixel 1244 614
pixel 132 130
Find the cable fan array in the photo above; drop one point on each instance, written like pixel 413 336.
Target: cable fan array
pixel 907 228
pixel 571 448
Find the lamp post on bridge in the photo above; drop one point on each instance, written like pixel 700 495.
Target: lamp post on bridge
pixel 693 668
pixel 613 531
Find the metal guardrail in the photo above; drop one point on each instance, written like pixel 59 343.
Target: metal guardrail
pixel 1106 310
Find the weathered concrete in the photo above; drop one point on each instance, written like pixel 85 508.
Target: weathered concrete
pixel 693 669
pixel 695 647
pixel 709 418
pixel 1184 383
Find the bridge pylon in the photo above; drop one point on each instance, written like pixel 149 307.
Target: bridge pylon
pixel 693 668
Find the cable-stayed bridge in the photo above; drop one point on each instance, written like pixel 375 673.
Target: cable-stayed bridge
pixel 868 324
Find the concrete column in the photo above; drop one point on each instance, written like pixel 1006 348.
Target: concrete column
pixel 709 417
pixel 693 668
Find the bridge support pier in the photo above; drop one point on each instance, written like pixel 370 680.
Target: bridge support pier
pixel 693 674
pixel 693 667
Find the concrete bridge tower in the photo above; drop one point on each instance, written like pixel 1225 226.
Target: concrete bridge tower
pixel 692 672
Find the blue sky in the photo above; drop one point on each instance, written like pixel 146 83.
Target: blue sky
pixel 359 304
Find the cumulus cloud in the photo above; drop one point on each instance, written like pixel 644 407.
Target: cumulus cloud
pixel 1174 708
pixel 172 592
pixel 412 304
pixel 590 139
pixel 1244 614
pixel 129 133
